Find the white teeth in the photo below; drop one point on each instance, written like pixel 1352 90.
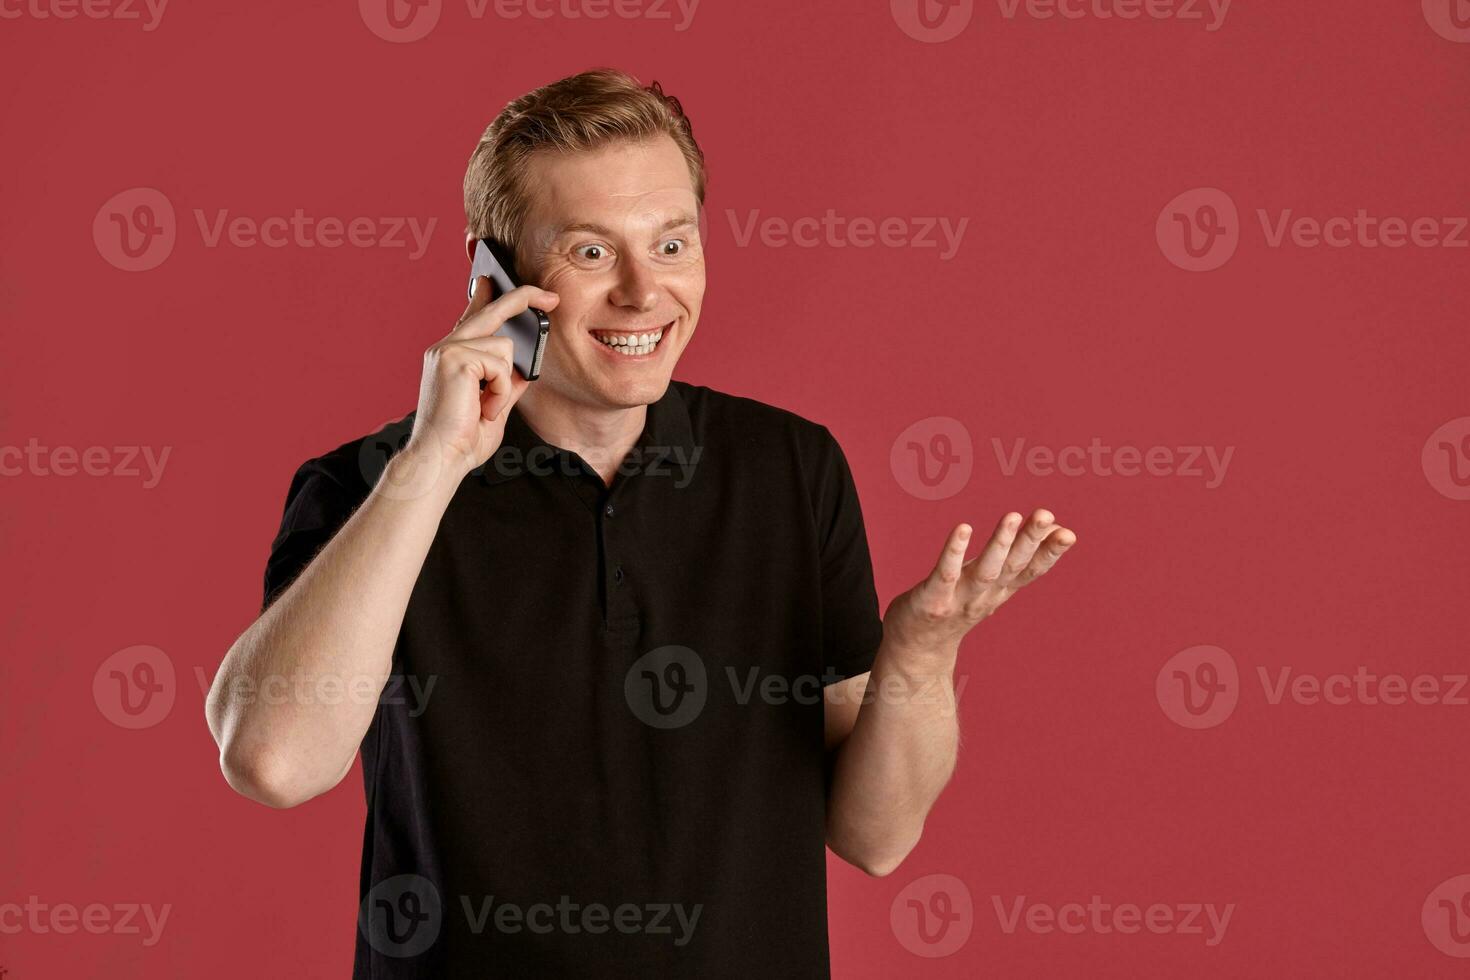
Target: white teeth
pixel 632 344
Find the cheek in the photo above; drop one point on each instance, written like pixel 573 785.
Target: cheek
pixel 691 295
pixel 687 285
pixel 577 294
pixel 556 279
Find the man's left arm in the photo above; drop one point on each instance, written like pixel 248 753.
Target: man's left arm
pixel 894 732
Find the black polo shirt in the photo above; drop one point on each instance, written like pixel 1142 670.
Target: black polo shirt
pixel 601 753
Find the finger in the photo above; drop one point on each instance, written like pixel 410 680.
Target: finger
pixel 500 402
pixel 498 392
pixel 518 386
pixel 1036 528
pixel 489 370
pixel 946 572
pixel 986 569
pixel 1052 548
pixel 494 345
pixel 502 347
pixel 493 402
pixel 485 321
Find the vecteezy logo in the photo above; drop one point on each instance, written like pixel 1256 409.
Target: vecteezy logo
pixel 1450 19
pixel 932 21
pixel 1198 687
pixel 401 916
pixel 932 458
pixel 135 230
pixel 666 687
pixel 1199 230
pixel 1446 916
pixel 134 688
pixel 1446 459
pixel 933 916
pixel 400 21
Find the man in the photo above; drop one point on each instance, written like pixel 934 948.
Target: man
pixel 615 629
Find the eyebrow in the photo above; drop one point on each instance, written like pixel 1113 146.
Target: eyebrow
pixel 677 221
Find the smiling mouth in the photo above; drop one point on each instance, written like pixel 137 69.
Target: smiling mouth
pixel 631 343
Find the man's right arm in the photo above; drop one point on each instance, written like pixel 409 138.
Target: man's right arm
pixel 335 627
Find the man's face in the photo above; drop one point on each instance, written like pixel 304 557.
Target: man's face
pixel 615 233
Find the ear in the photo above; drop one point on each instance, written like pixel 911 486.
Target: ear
pixel 469 245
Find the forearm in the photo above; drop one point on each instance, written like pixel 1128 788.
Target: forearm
pixel 899 756
pixel 296 692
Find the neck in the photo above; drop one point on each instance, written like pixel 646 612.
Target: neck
pixel 601 436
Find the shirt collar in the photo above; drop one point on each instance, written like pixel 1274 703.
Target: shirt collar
pixel 667 435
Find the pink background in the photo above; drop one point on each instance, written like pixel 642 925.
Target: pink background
pixel 1328 546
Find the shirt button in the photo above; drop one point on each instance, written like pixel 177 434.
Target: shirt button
pixel 609 510
pixel 618 573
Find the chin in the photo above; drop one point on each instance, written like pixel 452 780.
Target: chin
pixel 632 392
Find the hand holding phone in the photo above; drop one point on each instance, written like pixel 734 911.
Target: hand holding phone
pixel 471 379
pixel 527 330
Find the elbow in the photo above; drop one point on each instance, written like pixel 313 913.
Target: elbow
pixel 880 865
pixel 876 860
pixel 253 768
pixel 261 775
pixel 268 770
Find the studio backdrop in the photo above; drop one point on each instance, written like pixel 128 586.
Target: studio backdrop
pixel 1191 274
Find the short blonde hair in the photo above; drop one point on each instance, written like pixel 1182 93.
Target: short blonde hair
pixel 580 112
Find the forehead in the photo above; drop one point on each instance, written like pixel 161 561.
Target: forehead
pixel 622 186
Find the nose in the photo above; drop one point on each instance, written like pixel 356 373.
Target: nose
pixel 636 286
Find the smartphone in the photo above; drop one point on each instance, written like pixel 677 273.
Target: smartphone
pixel 528 330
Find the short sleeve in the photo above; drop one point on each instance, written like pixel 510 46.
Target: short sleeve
pixel 318 503
pixel 851 626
